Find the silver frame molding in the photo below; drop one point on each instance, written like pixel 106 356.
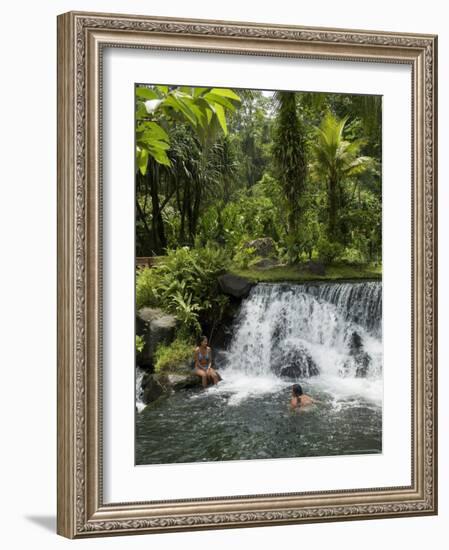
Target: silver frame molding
pixel 81 39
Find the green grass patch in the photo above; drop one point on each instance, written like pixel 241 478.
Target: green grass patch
pixel 299 274
pixel 175 357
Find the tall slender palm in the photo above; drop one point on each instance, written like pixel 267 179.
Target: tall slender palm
pixel 223 158
pixel 289 151
pixel 335 162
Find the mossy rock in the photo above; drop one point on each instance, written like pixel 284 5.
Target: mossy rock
pixel 156 327
pixel 152 389
pixel 234 285
pixel 264 247
pixel 183 380
pixel 156 386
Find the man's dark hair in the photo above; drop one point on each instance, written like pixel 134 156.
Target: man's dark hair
pixel 297 390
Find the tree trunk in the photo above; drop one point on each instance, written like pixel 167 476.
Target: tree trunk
pixel 157 224
pixel 333 210
pixel 195 212
pixel 149 233
pixel 145 241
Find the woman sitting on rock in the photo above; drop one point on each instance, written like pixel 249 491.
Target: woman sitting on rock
pixel 203 363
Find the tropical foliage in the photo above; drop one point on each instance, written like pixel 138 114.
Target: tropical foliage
pixel 218 168
pixel 202 109
pixel 289 151
pixel 186 284
pixel 174 357
pixel 337 163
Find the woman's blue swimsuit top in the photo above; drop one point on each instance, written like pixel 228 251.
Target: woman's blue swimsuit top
pixel 202 357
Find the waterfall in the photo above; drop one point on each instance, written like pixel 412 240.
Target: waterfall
pixel 358 302
pixel 140 405
pixel 325 332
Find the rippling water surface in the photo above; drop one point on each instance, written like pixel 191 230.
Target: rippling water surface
pixel 308 328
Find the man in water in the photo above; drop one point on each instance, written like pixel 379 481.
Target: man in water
pixel 299 399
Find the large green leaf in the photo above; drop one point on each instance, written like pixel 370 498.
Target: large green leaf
pixel 196 110
pixel 153 130
pixel 141 111
pixel 219 99
pixel 156 144
pixel 146 93
pixel 176 104
pixel 152 140
pixel 160 156
pixel 219 111
pixel 204 109
pixel 163 89
pixel 209 114
pixel 186 108
pixel 197 92
pixel 225 92
pixel 142 160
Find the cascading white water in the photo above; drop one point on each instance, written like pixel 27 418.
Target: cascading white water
pixel 358 302
pixel 328 334
pixel 140 405
pixel 325 336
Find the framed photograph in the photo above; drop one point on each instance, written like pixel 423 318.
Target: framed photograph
pixel 247 275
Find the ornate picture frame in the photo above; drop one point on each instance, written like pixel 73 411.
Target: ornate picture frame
pixel 82 38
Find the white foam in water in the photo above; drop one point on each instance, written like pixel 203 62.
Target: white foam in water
pixel 140 405
pixel 241 386
pixel 307 324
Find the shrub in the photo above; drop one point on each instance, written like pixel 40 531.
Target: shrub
pixel 354 256
pixel 329 251
pixel 185 284
pixel 174 357
pixel 243 256
pixel 146 287
pixel 140 343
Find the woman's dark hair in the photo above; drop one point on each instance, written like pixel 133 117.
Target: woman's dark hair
pixel 297 390
pixel 200 339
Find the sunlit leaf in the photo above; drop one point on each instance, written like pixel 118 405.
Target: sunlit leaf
pixel 142 160
pixel 154 130
pixel 141 111
pixel 221 100
pixel 197 92
pixel 219 111
pixel 146 93
pixel 161 157
pixel 226 92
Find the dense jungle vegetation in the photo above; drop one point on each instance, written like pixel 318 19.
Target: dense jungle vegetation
pixel 220 171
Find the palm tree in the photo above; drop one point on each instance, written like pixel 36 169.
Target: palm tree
pixel 290 160
pixel 336 162
pixel 223 159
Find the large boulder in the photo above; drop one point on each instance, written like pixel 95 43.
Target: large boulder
pixel 294 362
pixel 158 385
pixel 234 285
pixel 182 381
pixel 156 327
pixel 152 388
pixel 263 247
pixel 359 360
